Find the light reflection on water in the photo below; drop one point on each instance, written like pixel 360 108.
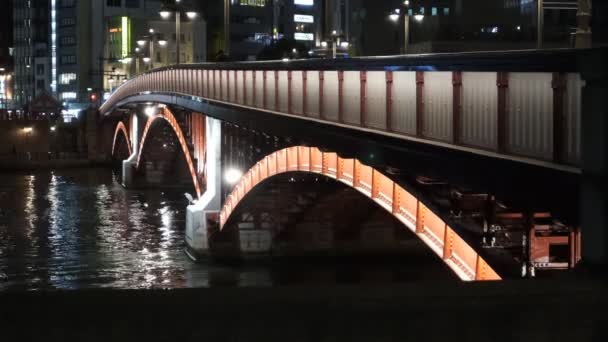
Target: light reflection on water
pixel 80 229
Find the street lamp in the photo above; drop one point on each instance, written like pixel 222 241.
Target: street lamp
pixel 396 14
pixel 152 40
pixel 177 9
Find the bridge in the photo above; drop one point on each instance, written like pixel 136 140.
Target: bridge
pixel 485 157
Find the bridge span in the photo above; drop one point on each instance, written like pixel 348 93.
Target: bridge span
pixel 496 136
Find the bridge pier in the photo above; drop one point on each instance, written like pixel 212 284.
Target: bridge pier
pixel 594 182
pixel 202 216
pixel 128 165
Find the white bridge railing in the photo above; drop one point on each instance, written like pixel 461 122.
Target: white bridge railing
pixel 533 116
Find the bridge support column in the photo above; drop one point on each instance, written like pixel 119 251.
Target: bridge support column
pixel 128 165
pixel 594 150
pixel 255 241
pixel 202 216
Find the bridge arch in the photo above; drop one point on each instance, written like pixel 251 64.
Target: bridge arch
pixel 456 253
pixel 167 115
pixel 121 129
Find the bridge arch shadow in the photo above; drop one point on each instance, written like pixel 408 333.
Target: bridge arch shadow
pixel 167 116
pixel 455 252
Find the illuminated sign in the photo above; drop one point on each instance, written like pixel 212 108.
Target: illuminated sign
pixel 115 30
pixel 304 36
pixel 302 18
pixel 126 36
pixel 304 2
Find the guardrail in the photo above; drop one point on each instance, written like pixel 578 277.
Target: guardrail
pixel 526 104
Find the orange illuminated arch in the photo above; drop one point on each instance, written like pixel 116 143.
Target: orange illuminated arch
pixel 121 128
pixel 429 227
pixel 170 118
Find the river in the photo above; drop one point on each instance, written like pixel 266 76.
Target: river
pixel 79 228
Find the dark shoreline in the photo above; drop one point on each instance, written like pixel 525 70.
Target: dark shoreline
pixel 524 310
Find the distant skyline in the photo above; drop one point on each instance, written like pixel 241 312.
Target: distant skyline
pixel 6 32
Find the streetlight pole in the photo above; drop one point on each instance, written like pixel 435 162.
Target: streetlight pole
pixel 177 34
pixel 152 42
pixel 406 33
pixel 583 31
pixel 177 9
pixel 226 27
pixel 540 23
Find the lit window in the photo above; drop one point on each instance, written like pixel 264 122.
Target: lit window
pixel 68 95
pixel 434 11
pixel 446 11
pixel 67 78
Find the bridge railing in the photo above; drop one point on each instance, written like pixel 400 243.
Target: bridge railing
pixel 523 104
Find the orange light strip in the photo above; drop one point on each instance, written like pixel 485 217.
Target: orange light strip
pixel 168 116
pixel 429 227
pixel 120 127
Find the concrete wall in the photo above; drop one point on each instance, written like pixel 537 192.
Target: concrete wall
pixel 16 142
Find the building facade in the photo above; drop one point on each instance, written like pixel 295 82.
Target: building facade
pixel 458 25
pixel 71 48
pixel 135 39
pixel 31 32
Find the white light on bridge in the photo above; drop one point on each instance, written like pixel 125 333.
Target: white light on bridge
pixel 150 111
pixel 233 175
pixel 419 17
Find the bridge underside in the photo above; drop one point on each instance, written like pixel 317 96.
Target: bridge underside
pixel 431 173
pixel 309 215
pixel 525 187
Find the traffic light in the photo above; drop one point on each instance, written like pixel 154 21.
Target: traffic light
pixel 93 97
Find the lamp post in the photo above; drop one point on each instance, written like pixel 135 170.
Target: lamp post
pixel 177 10
pixel 226 27
pixel 583 31
pixel 396 14
pixel 540 23
pixel 151 40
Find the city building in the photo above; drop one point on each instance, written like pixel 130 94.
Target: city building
pixel 6 59
pixel 456 25
pixel 255 24
pixel 73 49
pixel 116 25
pixel 71 45
pixel 6 91
pixel 302 21
pixel 135 39
pixel 31 33
pixel 251 28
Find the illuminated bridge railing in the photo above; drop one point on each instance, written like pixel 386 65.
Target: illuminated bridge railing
pixel 524 105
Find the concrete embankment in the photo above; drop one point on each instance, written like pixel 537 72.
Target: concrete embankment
pixel 539 310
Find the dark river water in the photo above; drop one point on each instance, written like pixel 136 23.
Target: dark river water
pixel 80 228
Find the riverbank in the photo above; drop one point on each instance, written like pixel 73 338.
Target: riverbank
pixel 538 310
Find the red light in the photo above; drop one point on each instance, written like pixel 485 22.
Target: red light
pixel 93 97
